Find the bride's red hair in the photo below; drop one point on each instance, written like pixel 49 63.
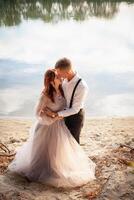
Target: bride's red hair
pixel 49 90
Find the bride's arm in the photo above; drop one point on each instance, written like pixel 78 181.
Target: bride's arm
pixel 40 113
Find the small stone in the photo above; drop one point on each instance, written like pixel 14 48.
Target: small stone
pixel 13 140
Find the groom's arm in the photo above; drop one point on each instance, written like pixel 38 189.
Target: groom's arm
pixel 78 100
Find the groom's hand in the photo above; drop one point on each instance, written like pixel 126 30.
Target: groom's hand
pixel 51 114
pixel 48 112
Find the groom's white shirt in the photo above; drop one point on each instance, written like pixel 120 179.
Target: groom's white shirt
pixel 79 96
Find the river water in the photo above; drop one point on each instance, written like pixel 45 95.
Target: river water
pixel 97 36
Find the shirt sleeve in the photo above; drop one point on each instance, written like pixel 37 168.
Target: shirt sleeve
pixel 43 119
pixel 78 100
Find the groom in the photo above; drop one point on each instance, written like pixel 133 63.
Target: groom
pixel 75 90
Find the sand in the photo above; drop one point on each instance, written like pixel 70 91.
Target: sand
pixel 100 138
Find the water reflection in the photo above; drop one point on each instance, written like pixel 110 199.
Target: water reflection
pixel 101 51
pixel 13 12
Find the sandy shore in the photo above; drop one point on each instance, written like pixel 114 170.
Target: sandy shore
pixel 100 138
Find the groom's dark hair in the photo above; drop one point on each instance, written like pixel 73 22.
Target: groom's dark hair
pixel 63 64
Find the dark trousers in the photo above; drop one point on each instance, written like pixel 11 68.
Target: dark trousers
pixel 75 124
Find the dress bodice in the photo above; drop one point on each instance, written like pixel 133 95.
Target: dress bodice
pixel 58 105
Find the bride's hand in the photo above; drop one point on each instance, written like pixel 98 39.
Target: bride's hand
pixel 48 112
pixel 51 114
pixel 41 112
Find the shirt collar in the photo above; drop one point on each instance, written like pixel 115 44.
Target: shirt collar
pixel 74 79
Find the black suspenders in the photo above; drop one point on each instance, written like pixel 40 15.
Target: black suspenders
pixel 71 101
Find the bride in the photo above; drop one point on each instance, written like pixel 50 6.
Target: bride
pixel 51 155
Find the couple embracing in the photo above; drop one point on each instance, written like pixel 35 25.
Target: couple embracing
pixel 52 154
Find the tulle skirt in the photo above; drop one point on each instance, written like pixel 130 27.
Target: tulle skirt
pixel 52 156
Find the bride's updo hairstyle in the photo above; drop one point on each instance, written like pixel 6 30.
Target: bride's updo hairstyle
pixel 49 89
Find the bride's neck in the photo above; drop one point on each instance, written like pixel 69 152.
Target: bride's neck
pixel 57 89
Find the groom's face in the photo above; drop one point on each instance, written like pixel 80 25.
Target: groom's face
pixel 62 73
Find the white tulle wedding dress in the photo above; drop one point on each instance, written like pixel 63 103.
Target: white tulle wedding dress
pixel 51 155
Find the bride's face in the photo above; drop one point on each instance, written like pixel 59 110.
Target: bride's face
pixel 57 81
